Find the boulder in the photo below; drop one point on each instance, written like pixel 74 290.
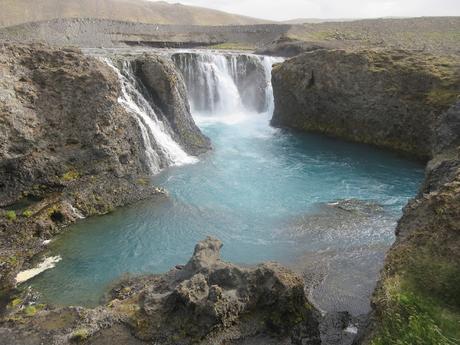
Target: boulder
pixel 209 296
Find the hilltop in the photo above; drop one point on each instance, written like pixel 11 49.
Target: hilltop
pixel 15 12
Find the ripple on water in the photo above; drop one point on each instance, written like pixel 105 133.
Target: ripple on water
pixel 263 192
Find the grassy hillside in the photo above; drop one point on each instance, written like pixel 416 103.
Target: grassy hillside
pixel 22 11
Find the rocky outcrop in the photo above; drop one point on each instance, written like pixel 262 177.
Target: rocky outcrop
pixel 68 148
pixel 418 294
pixel 386 98
pixel 407 102
pixel 207 301
pixel 166 88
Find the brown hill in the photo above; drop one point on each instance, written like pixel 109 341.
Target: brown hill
pixel 14 12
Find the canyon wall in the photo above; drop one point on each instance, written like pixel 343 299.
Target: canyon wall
pixel 386 98
pixel 405 101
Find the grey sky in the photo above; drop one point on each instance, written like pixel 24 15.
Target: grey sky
pixel 289 9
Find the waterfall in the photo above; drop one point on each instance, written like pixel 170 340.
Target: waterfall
pixel 160 148
pixel 227 83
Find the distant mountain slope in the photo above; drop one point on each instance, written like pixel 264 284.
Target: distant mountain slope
pixel 14 12
pixel 316 20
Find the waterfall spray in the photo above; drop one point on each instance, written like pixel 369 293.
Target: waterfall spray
pixel 227 84
pixel 160 148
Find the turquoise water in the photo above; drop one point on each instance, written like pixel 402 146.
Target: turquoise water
pixel 250 191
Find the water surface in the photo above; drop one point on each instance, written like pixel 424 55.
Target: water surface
pixel 259 191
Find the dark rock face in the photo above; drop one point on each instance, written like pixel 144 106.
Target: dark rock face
pixel 251 84
pixel 386 98
pixel 207 301
pixel 68 148
pixel 166 87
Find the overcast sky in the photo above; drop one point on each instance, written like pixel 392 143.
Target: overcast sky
pixel 289 9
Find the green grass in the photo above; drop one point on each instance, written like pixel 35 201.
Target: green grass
pixel 70 176
pixel 80 334
pixel 11 215
pixel 421 306
pixel 415 319
pixel 27 213
pixel 30 310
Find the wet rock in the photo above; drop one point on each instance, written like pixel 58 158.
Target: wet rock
pixel 251 83
pixel 166 88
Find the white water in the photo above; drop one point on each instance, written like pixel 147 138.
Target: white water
pixel 160 148
pixel 264 192
pixel 46 264
pixel 216 84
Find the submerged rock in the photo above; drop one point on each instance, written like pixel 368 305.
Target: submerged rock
pixel 208 301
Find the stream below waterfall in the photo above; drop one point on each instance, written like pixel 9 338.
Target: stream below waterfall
pixel 268 194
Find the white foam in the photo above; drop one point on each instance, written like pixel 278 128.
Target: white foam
pixel 152 129
pixel 351 329
pixel 46 264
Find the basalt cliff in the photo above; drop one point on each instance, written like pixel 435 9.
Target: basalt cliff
pixel 409 102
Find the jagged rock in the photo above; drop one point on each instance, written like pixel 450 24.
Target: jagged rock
pixel 207 302
pixel 209 295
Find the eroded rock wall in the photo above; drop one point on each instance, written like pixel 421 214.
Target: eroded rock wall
pixel 390 98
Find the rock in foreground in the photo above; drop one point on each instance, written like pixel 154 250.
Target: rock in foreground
pixel 207 301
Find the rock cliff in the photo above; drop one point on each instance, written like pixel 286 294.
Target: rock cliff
pixel 207 301
pixel 407 102
pixel 386 98
pixel 68 148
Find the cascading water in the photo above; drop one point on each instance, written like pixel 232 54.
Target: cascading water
pixel 268 194
pixel 227 84
pixel 160 148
